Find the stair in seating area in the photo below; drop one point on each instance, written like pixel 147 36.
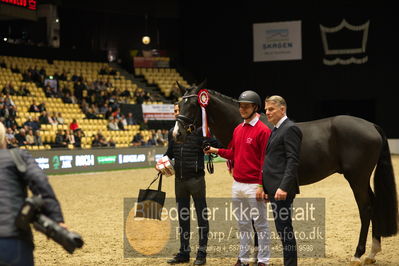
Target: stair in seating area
pixel 141 83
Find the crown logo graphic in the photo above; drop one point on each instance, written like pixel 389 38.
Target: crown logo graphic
pixel 345 40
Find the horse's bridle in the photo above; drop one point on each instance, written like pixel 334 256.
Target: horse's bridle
pixel 188 123
pixel 189 126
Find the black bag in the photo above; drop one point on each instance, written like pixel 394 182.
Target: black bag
pixel 150 202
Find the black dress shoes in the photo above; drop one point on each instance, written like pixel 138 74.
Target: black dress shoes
pixel 179 258
pixel 201 259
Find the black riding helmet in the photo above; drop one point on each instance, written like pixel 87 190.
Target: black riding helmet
pixel 250 97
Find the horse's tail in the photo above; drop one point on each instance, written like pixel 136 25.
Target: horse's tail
pixel 385 214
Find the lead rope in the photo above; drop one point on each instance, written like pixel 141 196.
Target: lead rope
pixel 209 164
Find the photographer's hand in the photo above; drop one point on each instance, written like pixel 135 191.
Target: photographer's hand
pixel 63 225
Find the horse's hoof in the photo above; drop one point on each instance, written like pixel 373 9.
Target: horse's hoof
pixel 369 261
pixel 355 263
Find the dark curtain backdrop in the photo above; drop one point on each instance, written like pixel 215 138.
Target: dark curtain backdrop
pixel 217 45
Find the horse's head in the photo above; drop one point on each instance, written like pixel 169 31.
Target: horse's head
pixel 189 118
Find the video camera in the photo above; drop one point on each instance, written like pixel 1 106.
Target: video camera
pixel 31 213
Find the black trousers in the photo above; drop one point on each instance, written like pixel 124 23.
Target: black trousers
pixel 195 188
pixel 283 220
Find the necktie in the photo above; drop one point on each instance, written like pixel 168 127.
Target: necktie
pixel 273 132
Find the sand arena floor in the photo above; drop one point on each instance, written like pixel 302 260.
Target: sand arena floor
pixel 93 206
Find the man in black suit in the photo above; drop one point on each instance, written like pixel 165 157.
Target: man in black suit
pixel 280 172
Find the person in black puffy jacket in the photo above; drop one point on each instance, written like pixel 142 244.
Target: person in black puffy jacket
pixel 190 181
pixel 16 246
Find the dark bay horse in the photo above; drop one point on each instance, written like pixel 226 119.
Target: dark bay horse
pixel 342 144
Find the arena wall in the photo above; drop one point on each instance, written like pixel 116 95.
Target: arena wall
pixel 90 160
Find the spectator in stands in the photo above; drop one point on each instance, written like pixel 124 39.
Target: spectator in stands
pixel 38 138
pixel 130 119
pixel 113 102
pixel 103 71
pixel 95 141
pixel 95 109
pixel 35 124
pixel 26 128
pixel 9 122
pixel 151 140
pixel 3 110
pixel 63 76
pixel 139 96
pixel 78 139
pixel 43 118
pixel 108 83
pixel 42 72
pixel 117 113
pixel 12 112
pixel 111 142
pixel 144 124
pixel 21 137
pixel 99 140
pixel 30 138
pixel 125 93
pixel 53 119
pixel 138 139
pixel 9 89
pixel 122 123
pixel 9 134
pixel 109 112
pixel 159 137
pixel 65 90
pixel 42 107
pixel 60 119
pixel 28 122
pixel 75 77
pixel 67 98
pixel 103 109
pixel 34 107
pixel 84 106
pixel 48 91
pixel 69 137
pixel 79 87
pixel 148 96
pixel 8 102
pixel 26 76
pixel 23 91
pixel 56 75
pixel 90 114
pixel 113 124
pixel 112 72
pixel 74 125
pixel 10 138
pixel 60 141
pixel 99 99
pixel 165 134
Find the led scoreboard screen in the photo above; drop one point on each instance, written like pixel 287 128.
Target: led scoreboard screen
pixel 28 4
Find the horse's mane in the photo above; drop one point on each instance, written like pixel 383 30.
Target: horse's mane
pixel 228 98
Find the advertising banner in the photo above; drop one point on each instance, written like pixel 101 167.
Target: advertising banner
pixel 158 112
pixel 104 159
pixel 277 41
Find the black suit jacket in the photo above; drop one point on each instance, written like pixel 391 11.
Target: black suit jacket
pixel 280 167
